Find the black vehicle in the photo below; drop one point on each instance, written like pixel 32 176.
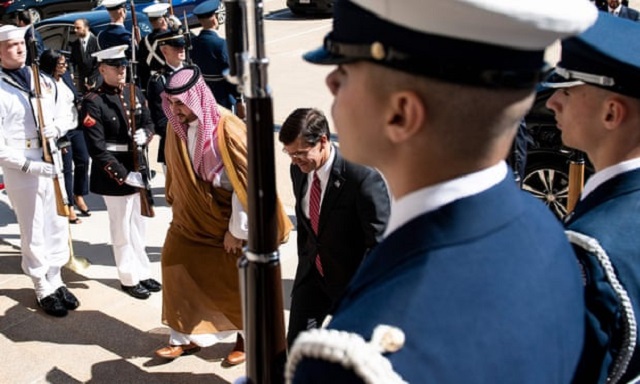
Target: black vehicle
pixel 547 168
pixel 311 7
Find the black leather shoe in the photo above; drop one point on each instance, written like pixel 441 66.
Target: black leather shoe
pixel 151 284
pixel 68 299
pixel 52 305
pixel 137 291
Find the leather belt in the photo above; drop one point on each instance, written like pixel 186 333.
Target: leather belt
pixel 24 143
pixel 113 147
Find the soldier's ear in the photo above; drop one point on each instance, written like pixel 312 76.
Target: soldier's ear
pixel 405 117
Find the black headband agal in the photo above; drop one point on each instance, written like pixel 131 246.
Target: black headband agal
pixel 183 88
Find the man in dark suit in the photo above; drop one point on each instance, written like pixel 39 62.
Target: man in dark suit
pixel 475 281
pixel 598 111
pixel 351 212
pixel 85 66
pixel 622 11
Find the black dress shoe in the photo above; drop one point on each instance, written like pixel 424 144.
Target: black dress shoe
pixel 137 291
pixel 68 299
pixel 52 305
pixel 151 284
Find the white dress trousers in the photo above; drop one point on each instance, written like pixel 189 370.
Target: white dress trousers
pixel 128 230
pixel 44 236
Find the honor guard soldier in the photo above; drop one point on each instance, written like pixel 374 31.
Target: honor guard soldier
pixel 149 56
pixel 44 235
pixel 474 281
pixel 172 48
pixel 597 107
pixel 210 54
pixel 115 33
pixel 107 121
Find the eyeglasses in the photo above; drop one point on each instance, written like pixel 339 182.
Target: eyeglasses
pixel 299 154
pixel 64 64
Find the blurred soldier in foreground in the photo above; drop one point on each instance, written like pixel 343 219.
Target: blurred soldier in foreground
pixel 475 281
pixel 207 189
pixel 44 235
pixel 598 111
pixel 107 122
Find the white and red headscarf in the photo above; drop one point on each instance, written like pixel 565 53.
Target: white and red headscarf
pixel 189 87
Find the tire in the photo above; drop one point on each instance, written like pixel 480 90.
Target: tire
pixel 547 178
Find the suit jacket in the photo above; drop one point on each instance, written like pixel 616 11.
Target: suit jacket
pixel 611 215
pixel 629 13
pixel 486 290
pixel 86 66
pixel 353 217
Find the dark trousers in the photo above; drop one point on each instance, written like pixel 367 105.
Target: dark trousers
pixel 310 305
pixel 75 159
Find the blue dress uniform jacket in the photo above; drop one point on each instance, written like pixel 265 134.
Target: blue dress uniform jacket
pixel 107 133
pixel 610 214
pixel 210 54
pixel 114 35
pixel 486 290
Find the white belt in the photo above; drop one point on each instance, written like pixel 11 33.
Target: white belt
pixel 23 143
pixel 117 147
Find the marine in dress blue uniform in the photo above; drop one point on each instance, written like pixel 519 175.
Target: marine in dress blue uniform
pixel 107 124
pixel 210 54
pixel 599 80
pixel 475 281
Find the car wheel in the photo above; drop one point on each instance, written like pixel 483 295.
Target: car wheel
pixel 547 178
pixel 35 14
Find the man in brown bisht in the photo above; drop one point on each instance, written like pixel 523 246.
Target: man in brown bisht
pixel 206 186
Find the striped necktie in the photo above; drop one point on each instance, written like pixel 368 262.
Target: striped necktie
pixel 314 213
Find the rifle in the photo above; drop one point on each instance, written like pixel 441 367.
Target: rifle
pixel 50 151
pixel 576 179
pixel 140 163
pixel 187 39
pixel 265 344
pixel 171 7
pixel 135 29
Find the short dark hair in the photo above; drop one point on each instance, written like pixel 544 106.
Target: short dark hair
pixel 308 123
pixel 85 22
pixel 24 16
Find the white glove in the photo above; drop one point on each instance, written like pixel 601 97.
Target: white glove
pixel 174 22
pixel 50 132
pixel 41 168
pixel 134 179
pixel 140 137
